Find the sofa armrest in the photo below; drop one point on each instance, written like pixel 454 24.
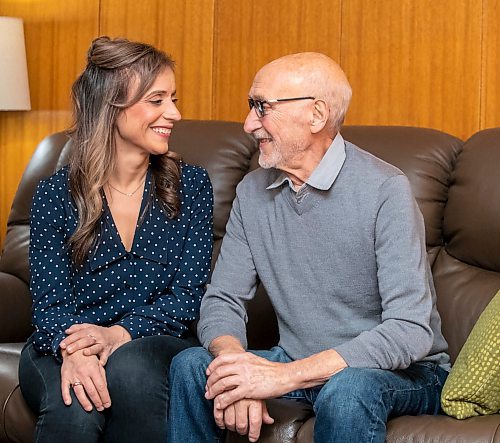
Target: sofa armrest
pixel 15 309
pixel 17 422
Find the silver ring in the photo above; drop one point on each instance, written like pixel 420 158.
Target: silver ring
pixel 76 383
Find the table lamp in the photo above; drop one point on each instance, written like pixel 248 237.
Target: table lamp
pixel 14 88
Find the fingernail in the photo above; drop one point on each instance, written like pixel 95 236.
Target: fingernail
pixel 100 409
pixel 107 404
pixel 70 348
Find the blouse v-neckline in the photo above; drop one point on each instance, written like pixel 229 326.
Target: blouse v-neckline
pixel 109 215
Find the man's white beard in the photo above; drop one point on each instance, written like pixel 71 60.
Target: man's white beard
pixel 276 158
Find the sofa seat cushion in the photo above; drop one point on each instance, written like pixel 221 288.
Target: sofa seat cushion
pixel 430 429
pixel 294 422
pixel 443 429
pixel 473 386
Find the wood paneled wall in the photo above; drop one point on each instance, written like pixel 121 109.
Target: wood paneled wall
pixel 184 29
pixel 415 64
pixel 57 35
pixel 410 62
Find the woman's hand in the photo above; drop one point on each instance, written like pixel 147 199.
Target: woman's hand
pixel 87 377
pixel 94 340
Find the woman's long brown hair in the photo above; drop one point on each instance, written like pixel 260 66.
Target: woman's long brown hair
pixel 99 95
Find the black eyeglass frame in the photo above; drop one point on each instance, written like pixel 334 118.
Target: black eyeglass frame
pixel 258 105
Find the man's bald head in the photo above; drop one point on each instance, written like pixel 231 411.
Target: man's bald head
pixel 315 74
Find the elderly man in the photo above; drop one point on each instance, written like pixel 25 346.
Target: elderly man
pixel 335 236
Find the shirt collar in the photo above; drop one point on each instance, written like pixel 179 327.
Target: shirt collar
pixel 326 172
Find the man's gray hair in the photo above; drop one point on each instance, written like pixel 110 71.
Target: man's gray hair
pixel 338 97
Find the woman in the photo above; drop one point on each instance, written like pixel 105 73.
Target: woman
pixel 120 250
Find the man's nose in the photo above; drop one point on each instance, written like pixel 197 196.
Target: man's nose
pixel 252 122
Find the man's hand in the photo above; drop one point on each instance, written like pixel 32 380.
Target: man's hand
pixel 87 377
pixel 243 375
pixel 244 417
pixel 234 376
pixel 94 340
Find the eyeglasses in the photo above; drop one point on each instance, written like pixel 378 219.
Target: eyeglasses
pixel 258 105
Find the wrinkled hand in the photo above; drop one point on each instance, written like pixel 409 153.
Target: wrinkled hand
pixel 94 340
pixel 90 378
pixel 244 417
pixel 243 375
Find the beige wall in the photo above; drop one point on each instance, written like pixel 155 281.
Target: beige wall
pixel 410 62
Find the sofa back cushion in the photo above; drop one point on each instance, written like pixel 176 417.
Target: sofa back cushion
pixel 472 216
pixel 467 270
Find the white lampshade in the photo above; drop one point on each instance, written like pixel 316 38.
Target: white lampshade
pixel 14 88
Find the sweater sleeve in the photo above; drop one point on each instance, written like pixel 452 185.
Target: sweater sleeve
pixel 404 334
pixel 234 281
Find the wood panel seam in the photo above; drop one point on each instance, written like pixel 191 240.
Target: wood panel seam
pixel 483 62
pixel 215 41
pixel 99 14
pixel 341 34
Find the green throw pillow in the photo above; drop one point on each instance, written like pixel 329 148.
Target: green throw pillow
pixel 473 386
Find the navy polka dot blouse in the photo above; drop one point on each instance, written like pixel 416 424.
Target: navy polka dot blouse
pixel 154 289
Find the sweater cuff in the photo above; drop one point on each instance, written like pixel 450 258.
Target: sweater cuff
pixel 355 356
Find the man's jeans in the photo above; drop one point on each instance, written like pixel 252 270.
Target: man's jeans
pixel 353 406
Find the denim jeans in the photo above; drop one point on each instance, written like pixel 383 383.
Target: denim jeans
pixel 136 375
pixel 353 406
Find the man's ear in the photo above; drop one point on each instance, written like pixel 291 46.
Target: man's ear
pixel 320 116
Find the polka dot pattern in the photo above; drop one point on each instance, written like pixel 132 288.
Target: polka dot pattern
pixel 154 289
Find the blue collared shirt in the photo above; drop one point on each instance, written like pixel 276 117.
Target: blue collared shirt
pixel 324 175
pixel 154 289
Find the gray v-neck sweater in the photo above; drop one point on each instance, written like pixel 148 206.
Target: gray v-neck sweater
pixel 345 268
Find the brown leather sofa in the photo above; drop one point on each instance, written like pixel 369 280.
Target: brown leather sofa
pixel 457 186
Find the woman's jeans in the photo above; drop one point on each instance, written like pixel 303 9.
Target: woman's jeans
pixel 353 406
pixel 136 375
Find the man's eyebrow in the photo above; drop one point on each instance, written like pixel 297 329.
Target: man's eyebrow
pixel 257 97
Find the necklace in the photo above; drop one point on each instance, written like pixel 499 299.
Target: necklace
pixel 128 194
